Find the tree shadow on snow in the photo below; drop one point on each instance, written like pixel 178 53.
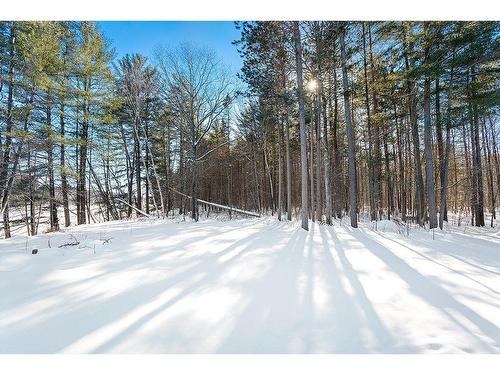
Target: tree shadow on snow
pixel 431 292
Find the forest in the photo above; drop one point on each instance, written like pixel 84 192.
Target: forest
pixel 365 120
pixel 324 187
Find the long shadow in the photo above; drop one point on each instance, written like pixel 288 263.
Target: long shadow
pixel 212 270
pixel 308 302
pixel 187 228
pixel 127 261
pixel 431 292
pixel 473 248
pixel 442 265
pixel 485 253
pixel 295 324
pixel 482 269
pixel 347 313
pixel 385 340
pixel 100 312
pixel 472 295
pixel 265 326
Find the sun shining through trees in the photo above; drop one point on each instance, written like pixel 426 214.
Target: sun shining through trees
pixel 385 120
pixel 153 176
pixel 312 85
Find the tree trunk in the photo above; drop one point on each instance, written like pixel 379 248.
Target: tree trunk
pixel 336 165
pixel 182 172
pixel 489 169
pixel 429 163
pixel 311 167
pixel 81 185
pixel 444 174
pixel 445 159
pixel 439 140
pixel 390 203
pixel 6 222
pixel 269 177
pixel 302 123
pixel 129 172
pixel 477 191
pixel 54 221
pixel 64 181
pixel 326 167
pixel 469 186
pixel 31 194
pixel 371 182
pixel 412 102
pixel 319 158
pixel 495 157
pixel 138 182
pixel 288 171
pixel 146 162
pixel 353 200
pixel 377 156
pixel 194 187
pixel 401 165
pixel 280 169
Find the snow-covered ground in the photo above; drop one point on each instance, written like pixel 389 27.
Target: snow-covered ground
pixel 250 286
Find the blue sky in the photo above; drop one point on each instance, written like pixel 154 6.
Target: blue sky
pixel 143 36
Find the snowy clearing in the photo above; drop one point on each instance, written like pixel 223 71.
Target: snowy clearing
pixel 250 286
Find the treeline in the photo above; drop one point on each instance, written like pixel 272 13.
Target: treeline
pixel 55 85
pixel 395 119
pixel 87 138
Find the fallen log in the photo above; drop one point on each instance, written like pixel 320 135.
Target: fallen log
pixel 134 208
pixel 231 209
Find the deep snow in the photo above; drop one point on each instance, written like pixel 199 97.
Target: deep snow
pixel 250 286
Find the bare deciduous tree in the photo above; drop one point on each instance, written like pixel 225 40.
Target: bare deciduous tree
pixel 198 89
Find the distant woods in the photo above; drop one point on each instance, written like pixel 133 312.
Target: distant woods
pixel 362 119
